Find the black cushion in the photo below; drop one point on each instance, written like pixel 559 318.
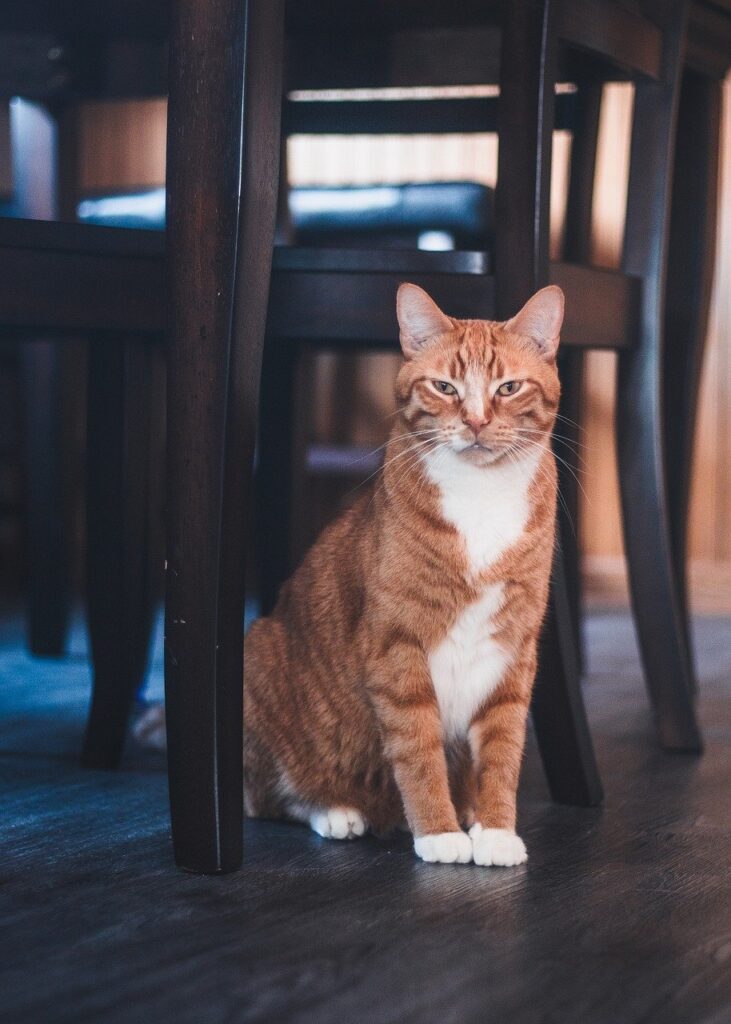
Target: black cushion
pixel 374 215
pixel 396 215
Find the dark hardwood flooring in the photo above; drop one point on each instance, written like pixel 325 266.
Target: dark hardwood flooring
pixel 622 915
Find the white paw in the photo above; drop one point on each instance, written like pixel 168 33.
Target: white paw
pixel 338 823
pixel 149 729
pixel 444 848
pixel 497 846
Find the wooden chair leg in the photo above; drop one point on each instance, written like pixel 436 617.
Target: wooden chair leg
pixel 521 263
pixel 639 421
pixel 275 464
pixel 568 434
pixel 226 66
pixel 559 716
pixel 43 145
pixel 567 438
pixel 121 583
pixel 275 472
pixel 691 256
pixel 49 485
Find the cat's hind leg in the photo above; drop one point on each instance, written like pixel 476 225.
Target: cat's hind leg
pixel 338 823
pixel 270 793
pixel 330 823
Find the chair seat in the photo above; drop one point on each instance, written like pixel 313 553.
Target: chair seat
pixel 121 274
pixel 336 270
pixel 442 215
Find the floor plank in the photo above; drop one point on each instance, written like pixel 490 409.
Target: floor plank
pixel 622 915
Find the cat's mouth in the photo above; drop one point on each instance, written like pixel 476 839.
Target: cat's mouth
pixel 482 454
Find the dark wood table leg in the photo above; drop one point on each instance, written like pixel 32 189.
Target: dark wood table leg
pixel 691 258
pixel 225 73
pixel 639 420
pixel 124 555
pixel 521 262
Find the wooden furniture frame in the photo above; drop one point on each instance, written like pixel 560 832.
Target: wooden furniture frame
pixel 108 284
pixel 363 293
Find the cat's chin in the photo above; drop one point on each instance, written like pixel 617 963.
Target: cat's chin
pixel 479 455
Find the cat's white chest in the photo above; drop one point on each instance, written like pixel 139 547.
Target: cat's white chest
pixel 490 508
pixel 468 664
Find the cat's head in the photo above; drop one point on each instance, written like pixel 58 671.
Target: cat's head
pixel 486 390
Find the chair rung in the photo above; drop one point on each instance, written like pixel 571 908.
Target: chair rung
pixel 405 117
pixel 608 30
pixel 323 259
pixel 343 298
pixel 80 277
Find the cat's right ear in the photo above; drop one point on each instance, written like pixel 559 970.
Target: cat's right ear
pixel 420 319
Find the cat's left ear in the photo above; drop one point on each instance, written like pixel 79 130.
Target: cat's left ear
pixel 420 320
pixel 540 320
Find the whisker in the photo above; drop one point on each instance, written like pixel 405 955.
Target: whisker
pixel 561 437
pixel 563 462
pixel 439 451
pixel 557 437
pixel 408 450
pixel 416 451
pixel 544 474
pixel 396 437
pixel 573 423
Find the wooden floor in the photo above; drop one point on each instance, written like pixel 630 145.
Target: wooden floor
pixel 622 914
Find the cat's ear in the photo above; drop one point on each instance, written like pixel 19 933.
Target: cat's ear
pixel 420 319
pixel 540 320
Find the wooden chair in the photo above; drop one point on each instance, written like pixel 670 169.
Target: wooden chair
pixel 68 293
pixel 622 310
pixel 651 51
pixel 642 52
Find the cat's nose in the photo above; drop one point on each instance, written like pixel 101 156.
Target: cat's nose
pixel 475 423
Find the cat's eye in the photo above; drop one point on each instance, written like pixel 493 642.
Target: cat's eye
pixel 509 388
pixel 444 387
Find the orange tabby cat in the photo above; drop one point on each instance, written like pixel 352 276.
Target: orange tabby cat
pixel 392 681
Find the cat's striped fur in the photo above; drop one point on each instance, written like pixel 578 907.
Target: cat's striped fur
pixel 392 682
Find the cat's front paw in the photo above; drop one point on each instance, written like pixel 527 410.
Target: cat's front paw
pixel 444 848
pixel 338 823
pixel 497 847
